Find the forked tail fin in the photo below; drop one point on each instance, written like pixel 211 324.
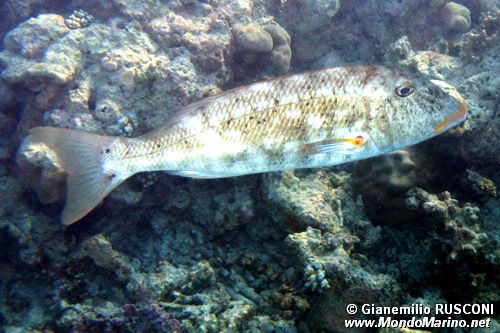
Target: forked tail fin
pixel 80 154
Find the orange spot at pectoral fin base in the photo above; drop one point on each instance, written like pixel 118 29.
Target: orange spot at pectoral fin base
pixel 358 141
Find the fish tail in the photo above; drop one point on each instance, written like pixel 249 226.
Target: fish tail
pixel 80 154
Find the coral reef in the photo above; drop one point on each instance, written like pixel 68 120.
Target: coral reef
pixel 345 281
pixel 264 49
pixel 253 38
pixel 150 318
pixel 456 17
pixel 315 14
pixel 315 277
pixel 483 188
pixel 79 19
pixel 308 203
pixel 482 37
pixel 463 236
pixel 382 182
pixel 281 53
pixel 329 268
pixel 41 167
pixel 281 252
pixel 127 62
pixel 270 38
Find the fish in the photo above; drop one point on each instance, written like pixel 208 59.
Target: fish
pixel 309 120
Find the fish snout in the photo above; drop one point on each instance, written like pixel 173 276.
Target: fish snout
pixel 459 108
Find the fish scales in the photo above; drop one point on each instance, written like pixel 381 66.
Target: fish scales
pixel 256 122
pixel 314 119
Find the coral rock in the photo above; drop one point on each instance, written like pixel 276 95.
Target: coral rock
pixel 269 53
pixel 101 251
pixel 482 187
pixel 399 50
pixel 314 14
pixel 281 54
pixel 168 30
pixel 307 200
pixel 345 281
pixel 456 17
pixel 30 39
pixel 42 168
pixel 32 57
pixel 79 19
pixel 253 38
pixel 382 181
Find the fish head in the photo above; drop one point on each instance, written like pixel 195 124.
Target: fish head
pixel 418 109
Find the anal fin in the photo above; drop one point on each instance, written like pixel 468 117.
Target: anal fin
pixel 190 174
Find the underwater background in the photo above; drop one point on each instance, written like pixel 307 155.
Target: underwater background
pixel 277 252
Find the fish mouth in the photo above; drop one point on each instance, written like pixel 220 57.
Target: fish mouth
pixel 456 117
pixel 453 120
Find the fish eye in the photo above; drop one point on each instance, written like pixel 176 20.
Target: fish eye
pixel 405 90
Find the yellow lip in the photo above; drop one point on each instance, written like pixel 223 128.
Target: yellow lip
pixel 453 118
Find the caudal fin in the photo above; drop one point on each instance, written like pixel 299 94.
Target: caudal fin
pixel 80 154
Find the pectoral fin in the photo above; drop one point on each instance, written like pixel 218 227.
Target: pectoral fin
pixel 338 145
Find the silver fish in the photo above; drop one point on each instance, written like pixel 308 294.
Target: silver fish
pixel 314 119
